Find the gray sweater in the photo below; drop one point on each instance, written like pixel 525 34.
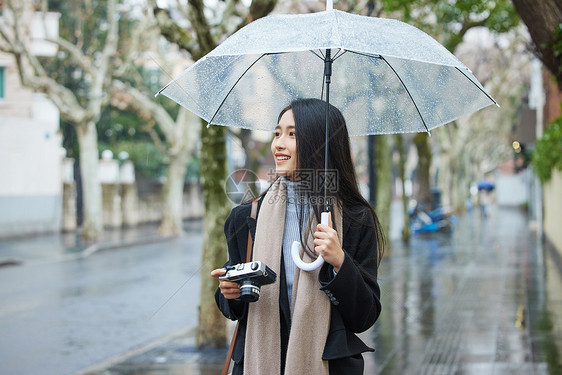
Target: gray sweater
pixel 291 233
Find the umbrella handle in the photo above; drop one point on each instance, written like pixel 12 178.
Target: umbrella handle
pixel 324 219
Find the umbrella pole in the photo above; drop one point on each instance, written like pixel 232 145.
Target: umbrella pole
pixel 325 215
pixel 328 75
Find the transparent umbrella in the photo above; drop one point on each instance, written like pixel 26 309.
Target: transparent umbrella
pixel 385 77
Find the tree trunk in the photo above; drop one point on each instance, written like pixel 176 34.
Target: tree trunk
pixel 542 18
pixel 460 183
pixel 402 174
pixel 446 176
pixel 383 165
pixel 424 163
pixel 92 227
pixel 211 331
pixel 251 160
pixel 172 194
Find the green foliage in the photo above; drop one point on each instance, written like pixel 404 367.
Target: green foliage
pixel 117 125
pixel 193 170
pixel 557 37
pixel 148 160
pixel 548 342
pixel 448 20
pixel 125 130
pixel 556 44
pixel 122 130
pixel 548 152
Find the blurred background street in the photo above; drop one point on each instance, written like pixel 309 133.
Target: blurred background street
pixel 485 299
pixel 113 201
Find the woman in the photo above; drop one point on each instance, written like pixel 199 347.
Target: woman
pixel 306 322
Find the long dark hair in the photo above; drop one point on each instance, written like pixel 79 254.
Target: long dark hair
pixel 341 180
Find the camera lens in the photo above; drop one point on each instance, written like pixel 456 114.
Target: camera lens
pixel 249 291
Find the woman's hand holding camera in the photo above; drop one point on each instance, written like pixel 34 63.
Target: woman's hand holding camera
pixel 229 289
pixel 327 244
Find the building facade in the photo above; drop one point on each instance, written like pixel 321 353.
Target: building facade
pixel 30 147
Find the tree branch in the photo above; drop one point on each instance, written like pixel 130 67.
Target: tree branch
pixel 75 53
pixel 455 38
pixel 468 24
pixel 230 11
pixel 202 29
pixel 37 79
pixel 142 102
pixel 172 32
pixel 258 9
pixel 156 139
pixel 109 49
pixel 542 18
pixel 145 27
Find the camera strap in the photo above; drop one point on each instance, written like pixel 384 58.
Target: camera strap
pixel 253 215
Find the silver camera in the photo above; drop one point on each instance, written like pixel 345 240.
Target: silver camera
pixel 251 276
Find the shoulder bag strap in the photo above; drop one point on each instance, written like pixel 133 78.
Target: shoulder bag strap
pixel 248 258
pixel 250 241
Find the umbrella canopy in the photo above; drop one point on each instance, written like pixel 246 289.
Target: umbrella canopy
pixel 485 185
pixel 387 76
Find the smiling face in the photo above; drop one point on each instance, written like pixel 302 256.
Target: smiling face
pixel 284 146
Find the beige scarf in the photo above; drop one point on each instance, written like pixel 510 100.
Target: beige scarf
pixel 310 306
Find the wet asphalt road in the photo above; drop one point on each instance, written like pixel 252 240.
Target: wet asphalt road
pixel 61 314
pixel 474 302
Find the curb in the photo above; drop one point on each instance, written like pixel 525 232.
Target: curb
pixel 116 359
pixel 555 254
pixel 10 262
pixel 88 251
pixel 103 246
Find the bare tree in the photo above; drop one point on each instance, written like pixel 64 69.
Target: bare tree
pixel 180 138
pixel 81 109
pixel 179 134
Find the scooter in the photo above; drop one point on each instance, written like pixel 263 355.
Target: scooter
pixel 438 220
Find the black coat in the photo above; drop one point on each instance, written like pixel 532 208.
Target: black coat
pixel 353 292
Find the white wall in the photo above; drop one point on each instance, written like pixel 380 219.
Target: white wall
pixel 512 189
pixel 30 152
pixel 44 26
pixel 30 143
pixel 553 209
pixel 30 170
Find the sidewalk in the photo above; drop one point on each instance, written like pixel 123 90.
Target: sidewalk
pixel 67 246
pixel 485 300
